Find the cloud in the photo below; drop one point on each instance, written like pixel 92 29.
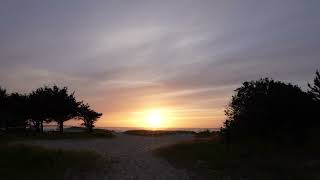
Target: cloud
pixel 123 57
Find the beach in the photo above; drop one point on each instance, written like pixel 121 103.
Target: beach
pixel 131 156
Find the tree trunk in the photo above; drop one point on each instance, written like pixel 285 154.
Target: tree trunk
pixel 37 126
pixel 61 127
pixel 90 129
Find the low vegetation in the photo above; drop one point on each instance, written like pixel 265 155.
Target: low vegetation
pixel 206 134
pixel 30 162
pixel 214 159
pixel 156 133
pixel 55 136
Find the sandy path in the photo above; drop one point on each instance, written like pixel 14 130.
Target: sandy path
pixel 131 155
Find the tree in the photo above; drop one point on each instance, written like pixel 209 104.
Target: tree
pixel 17 109
pixel 88 116
pixel 39 103
pixel 62 105
pixel 3 106
pixel 268 110
pixel 315 88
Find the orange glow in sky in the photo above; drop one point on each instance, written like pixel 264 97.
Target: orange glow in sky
pixel 161 118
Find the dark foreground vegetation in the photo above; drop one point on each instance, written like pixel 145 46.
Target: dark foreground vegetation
pixel 211 159
pixel 80 134
pixel 156 133
pixel 31 162
pixel 272 131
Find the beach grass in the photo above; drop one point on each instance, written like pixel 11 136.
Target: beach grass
pixel 214 159
pixel 32 162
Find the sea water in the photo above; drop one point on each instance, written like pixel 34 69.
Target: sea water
pixel 123 129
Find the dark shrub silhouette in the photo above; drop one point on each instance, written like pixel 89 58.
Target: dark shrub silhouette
pixel 314 92
pixel 3 108
pixel 268 110
pixel 315 88
pixel 88 116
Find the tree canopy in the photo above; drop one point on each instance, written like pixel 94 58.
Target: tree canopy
pixel 40 108
pixel 315 88
pixel 17 110
pixel 269 110
pixel 3 107
pixel 63 106
pixel 88 116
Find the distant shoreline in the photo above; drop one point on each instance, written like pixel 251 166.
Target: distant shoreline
pixel 123 129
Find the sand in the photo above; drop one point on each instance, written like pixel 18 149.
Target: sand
pixel 131 156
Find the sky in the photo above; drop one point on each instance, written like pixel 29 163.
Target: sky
pixel 182 58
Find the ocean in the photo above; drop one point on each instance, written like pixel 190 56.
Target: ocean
pixel 123 129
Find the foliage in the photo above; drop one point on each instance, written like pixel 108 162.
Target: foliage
pixel 3 95
pixel 3 106
pixel 63 105
pixel 315 88
pixel 39 107
pixel 17 110
pixel 44 104
pixel 268 110
pixel 88 116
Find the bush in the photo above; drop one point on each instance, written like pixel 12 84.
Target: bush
pixel 269 110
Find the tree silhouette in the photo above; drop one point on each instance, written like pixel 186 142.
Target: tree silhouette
pixel 315 88
pixel 62 105
pixel 3 108
pixel 39 103
pixel 44 104
pixel 88 116
pixel 18 112
pixel 268 110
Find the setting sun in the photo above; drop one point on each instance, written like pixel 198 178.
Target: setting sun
pixel 154 119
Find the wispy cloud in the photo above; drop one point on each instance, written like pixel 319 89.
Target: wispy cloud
pixel 124 56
